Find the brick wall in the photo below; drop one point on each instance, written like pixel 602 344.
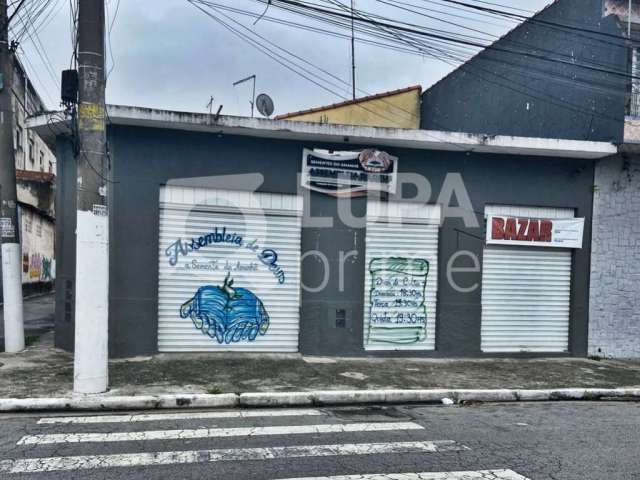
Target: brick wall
pixel 614 329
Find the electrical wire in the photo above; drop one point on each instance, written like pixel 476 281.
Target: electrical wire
pixel 444 38
pixel 405 7
pixel 33 71
pixel 111 25
pixel 447 57
pixel 543 96
pixel 283 61
pixel 39 48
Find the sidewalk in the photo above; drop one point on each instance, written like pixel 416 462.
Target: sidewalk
pixel 43 371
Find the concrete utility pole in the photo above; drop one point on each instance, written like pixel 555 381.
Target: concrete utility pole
pixel 9 228
pixel 91 369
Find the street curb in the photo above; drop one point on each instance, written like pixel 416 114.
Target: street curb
pixel 313 398
pixel 104 402
pixel 347 397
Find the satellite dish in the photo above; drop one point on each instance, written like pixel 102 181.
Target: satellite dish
pixel 265 104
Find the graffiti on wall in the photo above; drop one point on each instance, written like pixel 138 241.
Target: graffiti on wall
pixel 227 314
pixel 397 311
pixel 37 267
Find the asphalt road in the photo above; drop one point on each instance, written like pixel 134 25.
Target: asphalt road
pixel 38 316
pixel 501 442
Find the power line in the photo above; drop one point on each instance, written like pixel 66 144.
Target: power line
pixel 39 47
pixel 111 25
pixel 278 58
pixel 444 38
pixel 324 71
pixel 401 5
pixel 34 72
pixel 445 51
pixel 504 6
pixel 539 95
pixel 17 9
pixel 531 93
pixel 535 20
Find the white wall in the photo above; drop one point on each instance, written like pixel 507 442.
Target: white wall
pixel 614 305
pixel 38 244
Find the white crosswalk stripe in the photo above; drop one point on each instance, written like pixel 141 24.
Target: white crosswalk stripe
pixel 112 429
pixel 157 417
pixel 213 432
pixel 478 474
pixel 52 464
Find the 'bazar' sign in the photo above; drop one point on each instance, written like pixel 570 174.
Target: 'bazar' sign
pixel 561 233
pixel 349 173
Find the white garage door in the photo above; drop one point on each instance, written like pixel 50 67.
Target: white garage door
pixel 526 292
pixel 401 277
pixel 229 271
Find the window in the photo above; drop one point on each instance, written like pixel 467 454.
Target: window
pixel 32 148
pixel 41 161
pixel 18 137
pixel 634 105
pixel 50 166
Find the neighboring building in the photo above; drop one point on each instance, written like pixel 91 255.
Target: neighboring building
pixel 394 109
pixel 215 246
pixel 615 273
pixel 498 93
pixel 35 174
pixel 523 93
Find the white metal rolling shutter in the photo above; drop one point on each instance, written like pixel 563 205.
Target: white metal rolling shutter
pixel 526 293
pixel 413 240
pixel 273 221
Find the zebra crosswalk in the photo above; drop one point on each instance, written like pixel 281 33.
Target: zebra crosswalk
pixel 216 439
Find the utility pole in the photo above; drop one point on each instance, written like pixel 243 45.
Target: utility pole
pixel 9 228
pixel 91 354
pixel 353 50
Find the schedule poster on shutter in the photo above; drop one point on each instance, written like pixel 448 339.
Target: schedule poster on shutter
pixel 228 280
pixel 401 277
pixel 398 313
pixel 531 232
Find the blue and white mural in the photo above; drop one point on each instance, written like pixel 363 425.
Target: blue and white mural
pixel 227 314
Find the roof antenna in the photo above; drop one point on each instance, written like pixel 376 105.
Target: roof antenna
pixel 263 13
pixel 253 95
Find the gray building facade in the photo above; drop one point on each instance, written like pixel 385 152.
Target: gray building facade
pixel 151 150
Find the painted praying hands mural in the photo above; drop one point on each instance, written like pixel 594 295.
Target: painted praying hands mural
pixel 227 314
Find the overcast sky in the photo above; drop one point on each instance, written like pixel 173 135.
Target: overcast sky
pixel 168 54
